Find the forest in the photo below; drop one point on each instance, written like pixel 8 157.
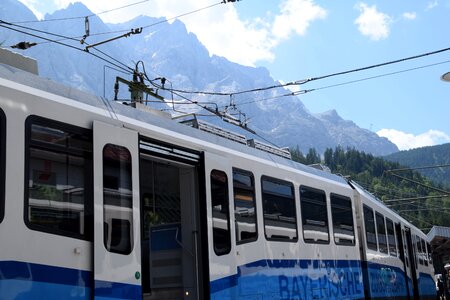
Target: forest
pixel 427 157
pixel 414 196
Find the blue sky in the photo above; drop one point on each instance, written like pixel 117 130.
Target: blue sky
pixel 298 39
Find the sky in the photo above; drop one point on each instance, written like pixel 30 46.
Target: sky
pixel 298 39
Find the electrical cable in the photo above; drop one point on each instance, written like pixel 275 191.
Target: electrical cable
pixel 419 168
pixel 342 83
pixel 122 31
pixel 79 17
pixel 303 81
pixel 418 183
pixel 416 198
pixel 65 38
pixel 66 45
pixel 379 76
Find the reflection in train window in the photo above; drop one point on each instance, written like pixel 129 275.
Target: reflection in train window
pixel 430 258
pixel 424 253
pixel 314 215
pixel 117 199
pixel 2 163
pixel 341 211
pixel 220 212
pixel 369 224
pixel 391 237
pixel 280 220
pixel 244 206
pixel 381 233
pixel 419 250
pixel 405 248
pixel 58 177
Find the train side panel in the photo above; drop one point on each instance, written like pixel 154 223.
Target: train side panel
pixel 277 262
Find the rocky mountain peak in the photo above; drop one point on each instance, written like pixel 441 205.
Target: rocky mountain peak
pixel 169 50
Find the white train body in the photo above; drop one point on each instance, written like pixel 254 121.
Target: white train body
pixel 102 200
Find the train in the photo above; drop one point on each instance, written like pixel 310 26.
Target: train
pixel 101 200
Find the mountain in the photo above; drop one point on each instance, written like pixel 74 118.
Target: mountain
pixel 424 157
pixel 169 50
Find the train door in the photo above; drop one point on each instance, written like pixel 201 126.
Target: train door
pixel 404 257
pixel 221 235
pixel 412 263
pixel 169 190
pixel 117 256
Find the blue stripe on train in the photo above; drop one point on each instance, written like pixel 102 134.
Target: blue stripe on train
pixel 115 290
pixel 388 281
pixel 21 280
pixel 292 279
pixel 315 279
pixel 385 281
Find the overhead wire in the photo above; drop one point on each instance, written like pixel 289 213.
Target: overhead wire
pixel 126 30
pixel 80 17
pixel 121 66
pixel 301 92
pixel 307 80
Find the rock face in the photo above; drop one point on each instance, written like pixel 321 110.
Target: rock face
pixel 170 51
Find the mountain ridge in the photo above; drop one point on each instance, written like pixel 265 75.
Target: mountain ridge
pixel 429 157
pixel 169 50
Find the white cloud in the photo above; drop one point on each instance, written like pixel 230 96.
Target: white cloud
pixel 432 4
pixel 219 28
pixel 372 23
pixel 409 15
pixel 296 16
pixel 406 141
pixel 31 4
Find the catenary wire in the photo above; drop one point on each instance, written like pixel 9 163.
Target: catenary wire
pixel 127 30
pixel 67 45
pixel 304 81
pixel 342 83
pixel 80 17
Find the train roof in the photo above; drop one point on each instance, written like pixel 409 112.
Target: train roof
pixel 118 109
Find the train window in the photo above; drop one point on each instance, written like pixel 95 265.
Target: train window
pixel 405 248
pixel 369 224
pixel 418 249
pixel 430 258
pixel 117 199
pixel 58 165
pixel 220 212
pixel 2 163
pixel 424 253
pixel 391 237
pixel 381 233
pixel 244 206
pixel 314 215
pixel 341 212
pixel 280 220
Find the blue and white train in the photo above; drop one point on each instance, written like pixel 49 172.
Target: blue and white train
pixel 106 201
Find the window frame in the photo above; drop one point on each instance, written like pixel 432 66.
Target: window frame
pixel 424 252
pixel 302 211
pixel 419 252
pixel 291 185
pixel 2 163
pixel 88 173
pixel 253 190
pixel 430 253
pixel 108 244
pixel 389 221
pixel 341 197
pixel 381 216
pixel 227 197
pixel 371 245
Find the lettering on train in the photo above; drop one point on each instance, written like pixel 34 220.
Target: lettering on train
pixel 325 287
